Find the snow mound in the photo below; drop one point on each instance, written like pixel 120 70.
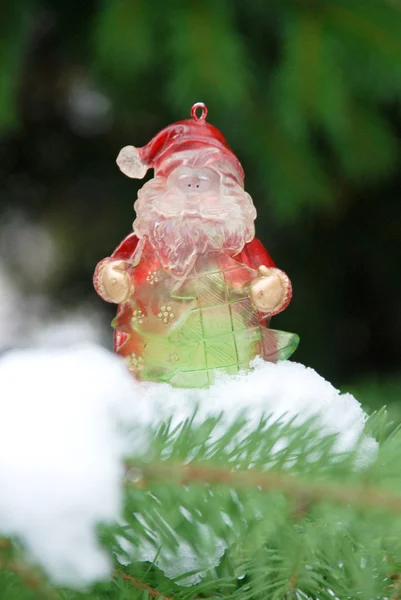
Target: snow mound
pixel 286 390
pixel 61 452
pixel 67 418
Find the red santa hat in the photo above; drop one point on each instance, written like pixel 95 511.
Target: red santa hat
pixel 172 147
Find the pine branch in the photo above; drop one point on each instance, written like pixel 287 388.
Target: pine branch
pixel 289 484
pixel 5 544
pixel 152 593
pixel 396 587
pixel 381 36
pixel 208 502
pixel 30 578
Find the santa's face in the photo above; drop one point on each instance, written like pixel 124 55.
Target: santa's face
pixel 195 210
pixel 193 192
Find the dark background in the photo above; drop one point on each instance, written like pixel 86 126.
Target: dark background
pixel 307 94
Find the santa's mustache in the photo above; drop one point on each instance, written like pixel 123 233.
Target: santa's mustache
pixel 178 240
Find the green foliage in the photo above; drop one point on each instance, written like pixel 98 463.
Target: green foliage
pixel 336 68
pixel 284 80
pixel 298 519
pixel 14 29
pixel 123 41
pixel 204 47
pixel 371 391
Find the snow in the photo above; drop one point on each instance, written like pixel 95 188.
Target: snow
pixel 61 454
pixel 67 418
pixel 286 389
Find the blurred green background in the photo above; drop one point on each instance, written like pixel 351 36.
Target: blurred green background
pixel 307 94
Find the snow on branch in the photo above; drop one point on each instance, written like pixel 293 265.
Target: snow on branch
pixel 70 417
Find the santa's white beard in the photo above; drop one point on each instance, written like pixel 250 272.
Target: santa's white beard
pixel 224 225
pixel 179 240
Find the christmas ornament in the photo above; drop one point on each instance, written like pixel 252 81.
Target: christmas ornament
pixel 195 289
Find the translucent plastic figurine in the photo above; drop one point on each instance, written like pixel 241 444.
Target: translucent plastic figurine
pixel 195 289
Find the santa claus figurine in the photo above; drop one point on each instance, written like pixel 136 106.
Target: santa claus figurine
pixel 195 289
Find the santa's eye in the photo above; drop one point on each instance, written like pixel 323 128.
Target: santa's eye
pixel 189 180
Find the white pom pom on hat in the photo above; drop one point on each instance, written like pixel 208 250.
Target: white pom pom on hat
pixel 129 162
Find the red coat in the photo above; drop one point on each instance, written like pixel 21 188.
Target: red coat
pixel 206 319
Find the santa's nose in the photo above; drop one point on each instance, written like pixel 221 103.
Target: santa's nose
pixel 194 181
pixel 196 184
